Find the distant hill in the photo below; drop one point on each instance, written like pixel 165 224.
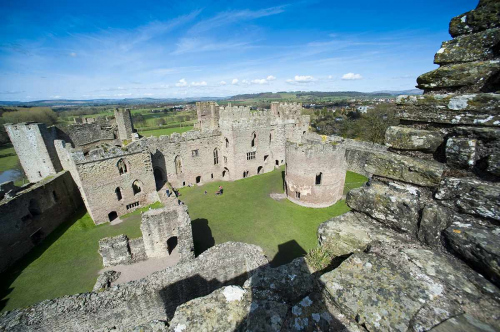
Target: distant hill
pixel 101 102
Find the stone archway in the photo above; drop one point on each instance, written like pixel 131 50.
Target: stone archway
pixel 160 178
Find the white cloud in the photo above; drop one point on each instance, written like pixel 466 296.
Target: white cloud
pixel 72 54
pixel 222 83
pixel 235 81
pixel 330 77
pixel 202 83
pixel 299 79
pixel 351 76
pixel 182 82
pixel 271 78
pixel 260 81
pixel 246 82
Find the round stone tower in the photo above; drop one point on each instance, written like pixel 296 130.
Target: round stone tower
pixel 315 173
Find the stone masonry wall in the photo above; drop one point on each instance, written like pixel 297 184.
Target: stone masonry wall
pixel 155 297
pixel 439 182
pixel 158 226
pixel 33 213
pixel 315 173
pixel 34 145
pixel 124 124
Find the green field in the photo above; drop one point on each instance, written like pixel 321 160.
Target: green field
pixel 67 261
pixel 165 131
pixel 8 158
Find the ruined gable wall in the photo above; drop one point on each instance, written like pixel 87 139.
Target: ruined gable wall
pixel 304 162
pixel 99 176
pixel 34 146
pixel 124 123
pixel 137 302
pixel 88 133
pixel 166 148
pixel 33 213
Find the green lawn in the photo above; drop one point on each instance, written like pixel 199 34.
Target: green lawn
pixel 8 157
pixel 246 213
pixel 65 263
pixel 166 131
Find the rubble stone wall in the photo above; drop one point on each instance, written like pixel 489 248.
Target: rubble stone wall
pixel 32 213
pixel 155 297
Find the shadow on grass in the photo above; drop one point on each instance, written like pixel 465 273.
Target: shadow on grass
pixel 9 276
pixel 287 252
pixel 202 236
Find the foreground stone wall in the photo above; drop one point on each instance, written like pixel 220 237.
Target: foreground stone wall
pixel 155 297
pixel 315 173
pixel 32 213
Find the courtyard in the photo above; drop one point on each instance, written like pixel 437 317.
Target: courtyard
pixel 67 262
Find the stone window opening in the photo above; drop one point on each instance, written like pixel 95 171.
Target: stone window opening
pixel 227 142
pixel 212 175
pixel 112 215
pixel 277 162
pixel 122 166
pixel 118 193
pixel 132 205
pixel 225 172
pixel 171 244
pixel 54 195
pixel 216 156
pixel 195 153
pixel 40 173
pixel 137 187
pixel 183 183
pixel 260 169
pixel 178 165
pixel 250 155
pixel 297 195
pixel 34 208
pixel 270 138
pixel 198 179
pixel 266 157
pixel 319 178
pixel 245 174
pixel 303 133
pixel 254 137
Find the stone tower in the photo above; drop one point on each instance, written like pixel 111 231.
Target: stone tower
pixel 315 173
pixel 34 144
pixel 208 115
pixel 124 123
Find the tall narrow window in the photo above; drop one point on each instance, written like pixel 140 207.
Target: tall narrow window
pixel 178 165
pixel 118 193
pixel 216 156
pixel 137 187
pixel 122 166
pixel 318 178
pixel 297 195
pixel 227 143
pixel 254 137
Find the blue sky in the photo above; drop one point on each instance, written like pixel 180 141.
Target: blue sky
pixel 127 49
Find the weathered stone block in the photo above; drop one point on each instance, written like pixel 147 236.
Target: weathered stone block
pixel 471 196
pixel 229 309
pixel 494 164
pixel 449 117
pixel 482 133
pixel 375 292
pixel 474 102
pixel 105 279
pixel 473 75
pixel 115 250
pixel 485 16
pixel 412 170
pixel 474 47
pixel 394 208
pixel 435 219
pixel 477 245
pixel 461 152
pixel 463 323
pixel 404 138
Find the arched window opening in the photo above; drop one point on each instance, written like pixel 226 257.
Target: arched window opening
pixel 254 137
pixel 171 244
pixel 225 172
pixel 245 174
pixel 122 166
pixel 198 179
pixel 216 156
pixel 227 142
pixel 178 165
pixel 318 178
pixel 260 169
pixel 34 208
pixel 118 193
pixel 160 179
pixel 112 215
pixel 137 187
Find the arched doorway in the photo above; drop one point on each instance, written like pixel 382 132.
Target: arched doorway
pixel 171 244
pixel 112 215
pixel 225 173
pixel 160 179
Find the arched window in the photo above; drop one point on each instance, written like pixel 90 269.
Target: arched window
pixel 178 165
pixel 227 142
pixel 118 193
pixel 318 178
pixel 216 156
pixel 137 187
pixel 254 138
pixel 122 166
pixel 271 134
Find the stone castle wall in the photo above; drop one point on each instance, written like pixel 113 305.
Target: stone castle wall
pixel 154 297
pixel 34 145
pixel 124 123
pixel 87 134
pixel 315 173
pixel 33 213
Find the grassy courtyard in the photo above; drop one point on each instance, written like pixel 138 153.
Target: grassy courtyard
pixel 164 131
pixel 67 262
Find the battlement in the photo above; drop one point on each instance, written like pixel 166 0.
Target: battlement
pixel 314 147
